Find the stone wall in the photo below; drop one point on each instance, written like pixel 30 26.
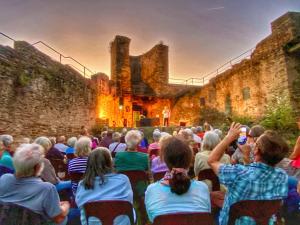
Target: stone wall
pixel 248 86
pixel 39 96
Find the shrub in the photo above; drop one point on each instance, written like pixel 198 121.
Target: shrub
pixel 279 115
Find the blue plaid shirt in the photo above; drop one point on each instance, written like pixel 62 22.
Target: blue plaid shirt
pixel 256 181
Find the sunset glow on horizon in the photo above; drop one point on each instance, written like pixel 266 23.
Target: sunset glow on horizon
pixel 201 35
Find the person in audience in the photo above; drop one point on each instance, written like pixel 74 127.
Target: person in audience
pixel 7 141
pixel 123 134
pixel 295 156
pixel 53 152
pixel 155 145
pixel 241 153
pixel 101 183
pixel 26 189
pixel 116 146
pixel 71 143
pixel 219 133
pixel 144 143
pixel 259 180
pixel 196 138
pixel 48 173
pixel 176 192
pixel 132 159
pixel 107 140
pixel 6 163
pixel 200 132
pixel 60 144
pixel 207 126
pixel 78 164
pixel 210 141
pixel 157 164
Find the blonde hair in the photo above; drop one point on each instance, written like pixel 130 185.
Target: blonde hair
pixel 44 142
pixel 83 146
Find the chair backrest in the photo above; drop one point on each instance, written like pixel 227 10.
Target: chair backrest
pixel 158 176
pixel 139 181
pixel 259 210
pixel 184 219
pixel 76 177
pixel 153 152
pixel 209 174
pixel 12 214
pixel 107 211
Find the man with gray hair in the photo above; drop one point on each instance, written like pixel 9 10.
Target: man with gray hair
pixel 26 189
pixel 60 145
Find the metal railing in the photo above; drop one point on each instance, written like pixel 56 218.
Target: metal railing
pixel 205 79
pixel 82 71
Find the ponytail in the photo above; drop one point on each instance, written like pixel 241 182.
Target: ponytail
pixel 179 183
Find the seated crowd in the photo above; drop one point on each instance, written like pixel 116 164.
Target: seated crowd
pixel 164 177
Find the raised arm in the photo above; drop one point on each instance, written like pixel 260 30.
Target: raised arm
pixel 217 153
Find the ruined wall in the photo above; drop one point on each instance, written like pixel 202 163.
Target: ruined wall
pixel 39 96
pixel 120 65
pixel 152 68
pixel 248 86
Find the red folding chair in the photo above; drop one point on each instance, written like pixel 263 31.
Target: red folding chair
pixel 139 181
pixel 153 152
pixel 198 218
pixel 158 176
pixel 107 211
pixel 259 210
pixel 209 174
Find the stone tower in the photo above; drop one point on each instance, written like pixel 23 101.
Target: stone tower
pixel 120 65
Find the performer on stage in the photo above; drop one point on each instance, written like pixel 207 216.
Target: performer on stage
pixel 166 116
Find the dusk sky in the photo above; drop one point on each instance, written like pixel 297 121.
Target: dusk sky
pixel 201 34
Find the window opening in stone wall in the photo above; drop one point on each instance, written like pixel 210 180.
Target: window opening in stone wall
pixel 246 93
pixel 202 101
pixel 228 105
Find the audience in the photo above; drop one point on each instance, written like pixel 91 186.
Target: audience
pixel 253 174
pixel 259 180
pixel 116 146
pixel 26 189
pixel 78 164
pixel 60 145
pixel 176 192
pixel 101 183
pixel 132 159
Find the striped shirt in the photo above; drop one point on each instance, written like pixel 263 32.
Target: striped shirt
pixel 77 165
pixel 256 181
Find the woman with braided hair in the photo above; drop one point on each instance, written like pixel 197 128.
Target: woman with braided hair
pixel 176 192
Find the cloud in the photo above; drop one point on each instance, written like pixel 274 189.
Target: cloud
pixel 215 8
